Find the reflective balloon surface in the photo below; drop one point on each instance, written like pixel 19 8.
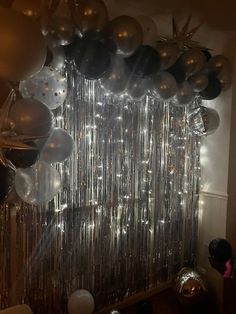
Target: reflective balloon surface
pixel 58 147
pixel 37 184
pixel 57 59
pixel 47 86
pixel 218 64
pixel 62 29
pixel 189 286
pixel 225 79
pixel 184 94
pixel 92 58
pixel 28 7
pixel 165 85
pixel 116 79
pixel 203 121
pixel 177 71
pixel 126 33
pixel 193 61
pixel 149 29
pixel 168 54
pixel 137 87
pixel 81 301
pixel 144 62
pixel 23 48
pixel 6 182
pixel 90 15
pixel 30 117
pixel 198 82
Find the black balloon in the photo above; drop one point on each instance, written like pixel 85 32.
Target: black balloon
pixel 177 71
pixel 23 158
pixel 103 37
pixel 213 89
pixel 92 58
pixel 6 182
pixel 144 62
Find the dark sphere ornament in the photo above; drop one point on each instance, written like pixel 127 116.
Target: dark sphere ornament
pixel 22 158
pixel 177 71
pixel 6 182
pixel 213 88
pixel 144 62
pixel 190 287
pixel 92 58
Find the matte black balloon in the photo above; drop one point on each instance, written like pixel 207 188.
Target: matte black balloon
pixel 144 62
pixel 23 158
pixel 177 71
pixel 92 58
pixel 213 89
pixel 6 182
pixel 70 50
pixel 103 38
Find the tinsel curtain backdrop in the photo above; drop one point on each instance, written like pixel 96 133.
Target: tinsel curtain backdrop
pixel 126 217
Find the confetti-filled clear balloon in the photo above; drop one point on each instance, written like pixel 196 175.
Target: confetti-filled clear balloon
pixel 203 121
pixel 81 301
pixel 168 54
pixel 184 94
pixel 58 147
pixel 37 184
pixel 165 85
pixel 47 86
pixel 116 80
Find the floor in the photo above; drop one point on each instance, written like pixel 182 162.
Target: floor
pixel 166 302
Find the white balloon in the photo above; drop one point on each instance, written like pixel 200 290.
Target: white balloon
pixel 47 86
pixel 81 302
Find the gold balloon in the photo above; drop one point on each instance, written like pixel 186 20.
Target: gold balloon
pixel 28 7
pixel 90 15
pixel 6 3
pixel 126 33
pixel 23 48
pixel 61 26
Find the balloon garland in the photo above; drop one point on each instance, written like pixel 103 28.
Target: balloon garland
pixel 119 53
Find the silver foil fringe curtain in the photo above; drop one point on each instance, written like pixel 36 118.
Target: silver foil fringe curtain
pixel 126 219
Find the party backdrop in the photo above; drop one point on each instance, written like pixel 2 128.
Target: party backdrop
pixel 126 217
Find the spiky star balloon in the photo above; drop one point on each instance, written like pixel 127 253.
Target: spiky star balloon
pixel 183 37
pixel 8 138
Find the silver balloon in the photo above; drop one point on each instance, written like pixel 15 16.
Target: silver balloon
pixel 58 147
pixel 184 94
pixel 58 54
pixel 225 79
pixel 193 61
pixel 47 86
pixel 37 184
pixel 114 312
pixel 203 121
pixel 198 82
pixel 190 286
pixel 165 85
pixel 116 79
pixel 81 301
pixel 218 64
pixel 137 87
pixel 168 54
pixel 63 29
